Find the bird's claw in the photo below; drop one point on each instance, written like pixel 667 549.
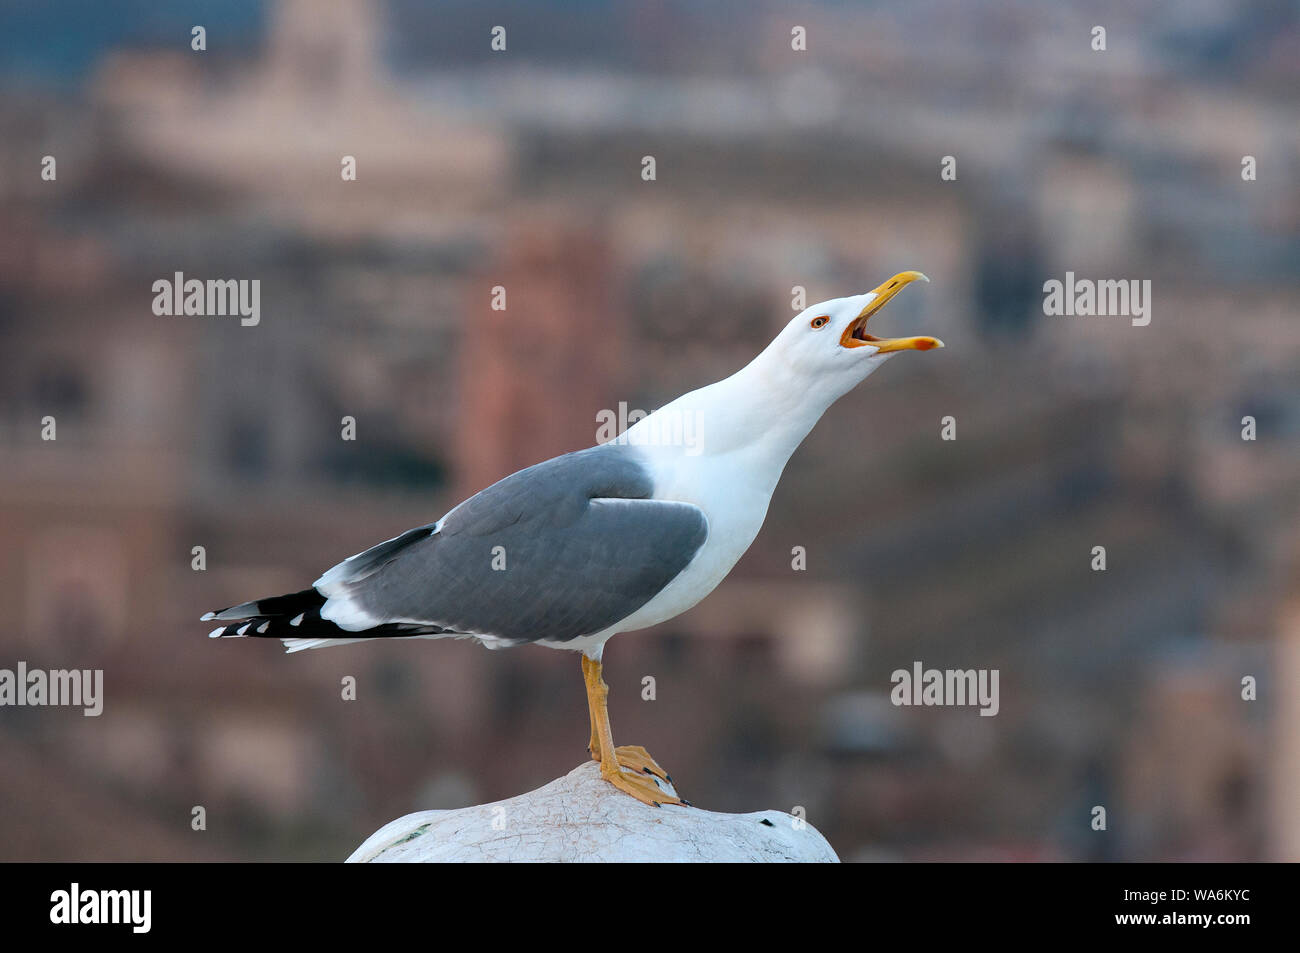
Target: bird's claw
pixel 643 787
pixel 635 758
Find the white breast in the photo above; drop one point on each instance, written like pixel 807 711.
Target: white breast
pixel 735 504
pixel 734 499
pixel 743 434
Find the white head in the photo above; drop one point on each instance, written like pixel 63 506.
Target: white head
pixel 774 400
pixel 826 348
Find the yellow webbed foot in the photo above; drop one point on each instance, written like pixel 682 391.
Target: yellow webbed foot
pixel 638 759
pixel 643 787
pixel 635 758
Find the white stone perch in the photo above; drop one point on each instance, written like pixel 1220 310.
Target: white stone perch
pixel 580 818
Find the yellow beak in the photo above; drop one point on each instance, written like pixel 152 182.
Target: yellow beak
pixel 855 335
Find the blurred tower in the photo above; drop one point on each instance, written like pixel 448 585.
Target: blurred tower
pixel 324 48
pixel 534 375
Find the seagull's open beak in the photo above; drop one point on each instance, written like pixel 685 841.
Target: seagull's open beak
pixel 855 335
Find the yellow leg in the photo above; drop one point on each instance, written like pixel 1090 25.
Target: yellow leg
pixel 627 768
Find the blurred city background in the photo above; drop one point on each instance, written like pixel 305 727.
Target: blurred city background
pixel 775 168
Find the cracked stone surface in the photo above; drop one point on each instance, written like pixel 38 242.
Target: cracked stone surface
pixel 580 818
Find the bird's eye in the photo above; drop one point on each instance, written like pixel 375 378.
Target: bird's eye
pixel 820 322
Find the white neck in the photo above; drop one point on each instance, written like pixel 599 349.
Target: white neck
pixel 759 416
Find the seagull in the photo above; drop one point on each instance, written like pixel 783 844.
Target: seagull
pixel 614 538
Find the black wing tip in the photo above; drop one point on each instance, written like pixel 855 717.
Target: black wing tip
pixel 295 615
pixel 292 604
pixel 241 628
pixel 278 627
pixel 310 625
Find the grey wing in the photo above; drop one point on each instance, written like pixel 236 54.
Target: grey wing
pixel 560 550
